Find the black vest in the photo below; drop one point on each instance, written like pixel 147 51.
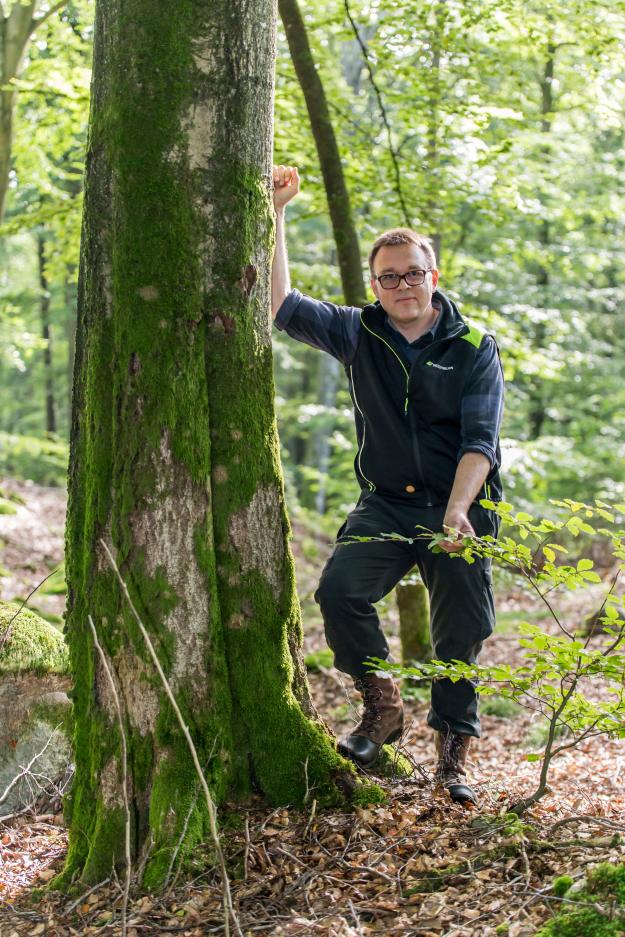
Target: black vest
pixel 408 418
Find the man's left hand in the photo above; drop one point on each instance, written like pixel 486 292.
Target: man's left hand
pixel 459 526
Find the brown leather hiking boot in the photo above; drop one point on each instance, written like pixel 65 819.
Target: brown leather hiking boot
pixel 452 749
pixel 382 720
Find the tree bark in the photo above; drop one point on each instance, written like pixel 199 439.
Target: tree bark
pixel 337 194
pixel 44 303
pixel 69 292
pixel 174 453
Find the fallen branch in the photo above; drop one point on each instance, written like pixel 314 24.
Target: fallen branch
pixel 585 817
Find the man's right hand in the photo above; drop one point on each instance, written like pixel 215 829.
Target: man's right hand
pixel 285 185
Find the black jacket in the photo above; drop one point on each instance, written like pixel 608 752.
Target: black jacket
pixel 409 419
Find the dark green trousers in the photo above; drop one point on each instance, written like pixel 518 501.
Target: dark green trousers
pixel 462 612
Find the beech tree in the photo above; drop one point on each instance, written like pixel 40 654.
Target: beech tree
pixel 174 459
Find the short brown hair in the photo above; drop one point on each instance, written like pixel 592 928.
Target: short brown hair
pixel 396 236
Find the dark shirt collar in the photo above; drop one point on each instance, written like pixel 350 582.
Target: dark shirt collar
pixel 425 339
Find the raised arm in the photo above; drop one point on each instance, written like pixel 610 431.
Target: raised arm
pixel 285 187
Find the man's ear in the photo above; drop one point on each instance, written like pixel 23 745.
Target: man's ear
pixel 374 287
pixel 434 278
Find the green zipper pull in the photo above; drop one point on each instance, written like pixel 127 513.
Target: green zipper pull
pixel 406 405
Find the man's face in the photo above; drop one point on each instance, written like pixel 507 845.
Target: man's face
pixel 405 304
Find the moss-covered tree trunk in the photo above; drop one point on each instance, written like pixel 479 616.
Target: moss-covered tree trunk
pixel 174 455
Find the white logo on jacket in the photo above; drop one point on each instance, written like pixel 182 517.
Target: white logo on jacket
pixel 441 367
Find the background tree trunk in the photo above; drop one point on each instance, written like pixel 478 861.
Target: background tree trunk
pixel 174 454
pixel 414 622
pixel 536 392
pixel 329 157
pixel 44 303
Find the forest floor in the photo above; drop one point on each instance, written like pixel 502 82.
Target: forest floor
pixel 418 866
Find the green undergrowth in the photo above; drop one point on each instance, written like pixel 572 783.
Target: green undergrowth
pixel 42 460
pixel 11 496
pixel 509 622
pixel 318 660
pixel 501 707
pixel 55 584
pixel 595 909
pixel 33 646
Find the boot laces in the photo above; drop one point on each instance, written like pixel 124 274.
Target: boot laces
pixel 450 764
pixel 371 696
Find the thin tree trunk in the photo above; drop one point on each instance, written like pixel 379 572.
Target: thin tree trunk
pixel 70 333
pixel 433 211
pixel 414 622
pixel 15 31
pixel 174 452
pixel 44 303
pixel 329 157
pixel 537 408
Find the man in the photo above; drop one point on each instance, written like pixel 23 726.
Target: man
pixel 428 398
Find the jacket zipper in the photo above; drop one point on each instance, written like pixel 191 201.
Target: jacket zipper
pixel 390 347
pixel 364 432
pixel 417 451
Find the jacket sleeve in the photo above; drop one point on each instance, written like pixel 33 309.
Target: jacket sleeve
pixel 322 325
pixel 481 408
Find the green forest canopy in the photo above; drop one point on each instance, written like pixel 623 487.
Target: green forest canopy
pixel 506 146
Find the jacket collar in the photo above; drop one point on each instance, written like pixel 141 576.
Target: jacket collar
pixel 450 323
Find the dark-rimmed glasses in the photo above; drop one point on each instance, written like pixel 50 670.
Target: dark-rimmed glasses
pixel 390 281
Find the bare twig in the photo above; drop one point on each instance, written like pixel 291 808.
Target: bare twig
pixel 310 818
pixel 587 818
pixel 68 910
pixel 246 854
pixel 26 770
pixel 210 804
pixel 124 747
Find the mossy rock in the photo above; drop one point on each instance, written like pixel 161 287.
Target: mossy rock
pixel 390 763
pixel 33 645
pixel 603 889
